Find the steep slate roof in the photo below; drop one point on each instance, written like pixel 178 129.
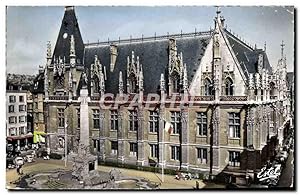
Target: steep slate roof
pixel 70 26
pixel 290 79
pixel 247 57
pixel 153 56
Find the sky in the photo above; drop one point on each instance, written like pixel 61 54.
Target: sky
pixel 29 28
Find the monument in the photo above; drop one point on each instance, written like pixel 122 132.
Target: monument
pixel 85 163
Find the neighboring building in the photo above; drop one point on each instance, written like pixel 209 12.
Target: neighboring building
pixel 291 96
pixel 225 103
pixel 38 106
pixel 15 81
pixel 29 112
pixel 16 119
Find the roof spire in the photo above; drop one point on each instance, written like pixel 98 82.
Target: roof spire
pixel 218 11
pixel 282 48
pixel 265 46
pixel 69 26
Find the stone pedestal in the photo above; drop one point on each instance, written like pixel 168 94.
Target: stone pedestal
pixel 84 162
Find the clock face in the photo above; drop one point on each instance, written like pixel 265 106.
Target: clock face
pixel 65 35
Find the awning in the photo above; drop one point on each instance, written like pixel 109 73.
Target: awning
pixel 11 138
pixel 39 137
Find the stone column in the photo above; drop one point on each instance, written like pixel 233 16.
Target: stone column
pixel 251 88
pixel 84 159
pixel 47 127
pixel 140 138
pixel 258 87
pixel 161 155
pixel 215 140
pixel 251 157
pixel 269 121
pixel 102 135
pixel 250 126
pixel 185 139
pixel 84 117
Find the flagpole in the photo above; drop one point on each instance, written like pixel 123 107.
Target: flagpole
pixel 163 148
pixel 66 145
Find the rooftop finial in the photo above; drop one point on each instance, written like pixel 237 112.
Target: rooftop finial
pixel 67 8
pixel 265 46
pixel 282 48
pixel 49 53
pixel 72 46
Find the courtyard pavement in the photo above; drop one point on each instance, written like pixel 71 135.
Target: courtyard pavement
pixel 169 180
pixel 41 165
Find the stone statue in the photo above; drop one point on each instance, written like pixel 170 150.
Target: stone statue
pixel 84 80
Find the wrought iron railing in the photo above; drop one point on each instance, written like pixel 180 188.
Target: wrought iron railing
pixel 56 97
pixel 233 98
pixel 202 98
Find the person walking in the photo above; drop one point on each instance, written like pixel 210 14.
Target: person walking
pixel 18 169
pixel 197 185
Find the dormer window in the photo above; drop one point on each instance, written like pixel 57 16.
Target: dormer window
pixel 133 84
pixel 96 84
pixel 208 87
pixel 228 86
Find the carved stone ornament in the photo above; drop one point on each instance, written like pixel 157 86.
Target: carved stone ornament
pixel 217 44
pixel 59 70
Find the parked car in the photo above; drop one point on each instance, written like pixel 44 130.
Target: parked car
pixel 29 158
pixel 19 161
pixel 10 163
pixel 9 148
pixel 282 156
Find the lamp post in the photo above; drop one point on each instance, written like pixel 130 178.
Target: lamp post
pixel 66 133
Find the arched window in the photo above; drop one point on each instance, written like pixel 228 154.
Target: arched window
pixel 61 142
pixel 272 89
pixel 96 84
pixel 175 83
pixel 228 86
pixel 208 87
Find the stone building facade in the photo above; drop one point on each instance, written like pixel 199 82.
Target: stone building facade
pixel 17 133
pixel 225 103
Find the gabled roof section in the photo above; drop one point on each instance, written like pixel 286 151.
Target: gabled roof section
pixel 247 56
pixel 38 84
pixel 153 55
pixel 69 26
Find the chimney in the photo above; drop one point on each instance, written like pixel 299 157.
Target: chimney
pixel 113 56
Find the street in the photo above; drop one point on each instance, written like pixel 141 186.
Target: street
pixel 286 178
